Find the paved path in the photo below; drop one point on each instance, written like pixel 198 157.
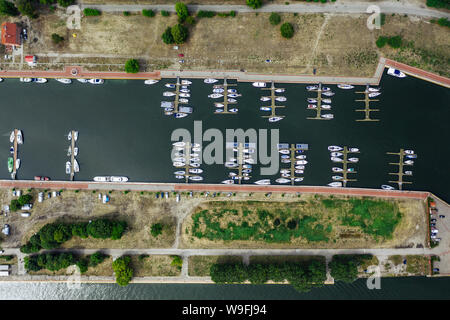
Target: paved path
pixel 354 7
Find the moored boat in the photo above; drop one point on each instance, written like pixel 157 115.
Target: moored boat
pixel 387 187
pixel 281 99
pixel 215 95
pixel 39 80
pixel 335 184
pixel 263 182
pixel 396 73
pixel 228 181
pixel 335 148
pixel 168 93
pixel 170 85
pixel 102 179
pixel 327 116
pixel 210 80
pixel 282 180
pixel 265 98
pixel 275 119
pixel 68 167
pixel 195 178
pixel 345 86
pixel 96 81
pixel 65 81
pixel 19 137
pixel 259 84
pixel 26 79
pixel 186 82
pixel 82 80
pixel 265 108
pixel 10 164
pixel 119 179
pixel 151 81
pixel 311 88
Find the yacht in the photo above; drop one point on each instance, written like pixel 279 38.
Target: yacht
pixel 17 163
pixel 281 99
pixel 218 111
pixel 195 178
pixel 284 151
pixel 83 80
pixel 215 95
pixel 119 179
pixel 327 116
pixel 179 173
pixel 334 148
pixel 387 187
pixel 234 110
pixel 336 169
pixel 218 105
pixel 312 106
pixel 311 88
pixel 411 156
pixel 179 176
pixel 232 91
pixel 170 85
pixel 167 104
pixel 10 164
pixel 76 167
pixel 409 162
pixel 210 80
pixel 301 162
pixel 408 173
pixel 326 89
pixel 234 95
pixel 328 93
pixel 374 94
pixel 299 171
pixel 336 159
pixel 325 107
pixel 11 149
pixel 168 113
pixel 396 73
pixel 298 179
pixel 353 159
pixel 168 109
pixel 102 179
pixel 65 81
pixel 353 150
pixel 335 184
pixel 75 135
pixel 218 90
pixel 11 137
pixel 179 144
pixel 275 119
pixel 285 161
pixel 408 151
pixel 68 167
pixel 186 82
pixel 231 100
pixel 373 89
pixel 345 86
pixel 19 137
pixel 336 154
pixel 265 108
pixel 247 166
pixel 279 90
pixel 265 99
pixel 285 156
pixel 301 167
pixel 96 81
pixel 168 93
pixel 151 81
pixel 195 170
pixel 179 164
pixel 180 115
pixel 228 181
pixel 230 164
pixel 40 80
pixel 25 80
pixel 185 90
pixel 337 177
pixel 282 180
pixel 263 182
pixel 217 86
pixel 259 84
pixel 312 100
pixel 285 171
pixel 301 157
pixel 326 100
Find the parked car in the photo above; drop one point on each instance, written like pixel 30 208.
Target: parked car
pixel 25 214
pixel 167 195
pixel 435 269
pixel 433 220
pixel 437 239
pixel 24 34
pixel 441 216
pixel 27 206
pixel 40 197
pixel 157 195
pixel 2 251
pixel 433 224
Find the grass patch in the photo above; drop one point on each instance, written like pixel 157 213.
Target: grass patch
pixel 199 266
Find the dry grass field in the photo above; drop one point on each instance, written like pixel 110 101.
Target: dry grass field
pixel 199 266
pixel 154 266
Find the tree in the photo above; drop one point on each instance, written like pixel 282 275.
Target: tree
pixel 381 41
pixel 47 2
pixel 56 38
pixel 179 33
pixel 91 12
pixel 118 229
pixel 31 263
pixel 65 3
pixel 343 268
pixel 255 4
pixel 132 66
pixel 167 36
pixel 14 205
pixel 101 228
pixel 82 265
pixel 25 199
pixel 26 8
pixel 96 258
pixel 123 271
pixel 8 8
pixel 287 30
pixel 274 18
pixel 177 262
pixel 156 229
pixel 182 11
pixel 148 13
pixel 395 42
pixel 80 230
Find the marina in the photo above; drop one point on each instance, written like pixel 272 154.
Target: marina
pixel 318 106
pixel 273 117
pixel 341 181
pixel 294 152
pixel 367 110
pixel 401 163
pixel 223 106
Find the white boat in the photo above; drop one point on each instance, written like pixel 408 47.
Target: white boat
pixel 180 115
pixel 312 100
pixel 186 82
pixel 263 182
pixel 281 99
pixel 328 93
pixel 179 176
pixel 409 162
pixel 336 154
pixel 325 107
pixel 345 86
pixel 326 100
pixel 285 171
pixel 179 144
pixel 282 180
pixel 228 181
pixel 170 85
pixel 218 105
pixel 40 80
pixel 19 137
pixel 327 116
pixel 336 169
pixel 285 161
pixel 298 179
pixel 234 95
pixel 336 159
pixel 311 88
pixel 195 178
pixel 215 95
pixel 119 179
pixel 25 80
pixel 76 167
pixel 210 80
pixel 230 164
pixel 218 90
pixel 65 81
pixel 279 90
pixel 168 93
pixel 231 100
pixel 298 171
pixel 185 90
pixel 178 159
pixel 196 149
pixel 284 151
pixel 75 135
pixel 285 156
pixel 232 91
pixel 353 150
pixel 374 94
pixel 265 98
pixel 17 163
pixel 151 81
pixel 301 162
pixel 101 179
pixel 11 149
pixel 337 177
pixel 68 167
pixel 168 109
pixel 326 89
pixel 373 89
pixel 275 119
pixel 167 104
pixel 301 167
pixel 335 148
pixel 247 166
pixel 83 80
pixel 234 110
pixel 353 160
pixel 218 111
pixel 387 187
pixel 259 84
pixel 408 173
pixel 195 164
pixel 301 157
pixel 179 173
pixel 396 73
pixel 96 81
pixel 265 108
pixel 217 86
pixel 408 151
pixel 195 170
pixel 168 113
pixel 11 137
pixel 335 184
pixel 312 106
pixel 179 164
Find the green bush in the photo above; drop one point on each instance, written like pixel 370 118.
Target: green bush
pixel 56 38
pixel 25 199
pixel 156 229
pixel 91 12
pixel 96 258
pixel 123 270
pixel 179 33
pixel 287 30
pixel 443 22
pixel 381 41
pixel 8 8
pixel 65 3
pixel 126 13
pixel 49 261
pixel 255 4
pixel 177 261
pixel 167 36
pixel 182 11
pixel 14 205
pixel 82 265
pixel 27 8
pixel 439 3
pixel 274 18
pixel 395 42
pixel 148 13
pixel 132 66
pixel 205 14
pixel 165 13
pixel 190 20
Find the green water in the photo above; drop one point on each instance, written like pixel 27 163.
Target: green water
pixel 123 131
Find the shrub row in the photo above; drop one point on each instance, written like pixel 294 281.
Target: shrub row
pixel 58 261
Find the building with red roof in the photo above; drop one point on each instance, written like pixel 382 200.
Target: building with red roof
pixel 11 34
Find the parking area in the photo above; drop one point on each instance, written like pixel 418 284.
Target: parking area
pixel 440 219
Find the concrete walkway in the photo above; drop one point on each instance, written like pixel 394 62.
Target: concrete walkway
pixel 354 7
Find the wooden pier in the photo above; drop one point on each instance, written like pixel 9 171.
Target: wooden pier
pixel 273 100
pixel 241 159
pixel 187 157
pixel 400 165
pixel 72 156
pixel 319 105
pixel 14 172
pixel 176 102
pixel 345 168
pixel 366 109
pixel 293 149
pixel 225 102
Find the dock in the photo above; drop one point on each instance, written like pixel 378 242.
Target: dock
pixel 345 168
pixel 72 156
pixel 177 102
pixel 367 110
pixel 293 148
pixel 273 105
pixel 225 101
pixel 187 157
pixel 240 159
pixel 319 105
pixel 400 165
pixel 14 172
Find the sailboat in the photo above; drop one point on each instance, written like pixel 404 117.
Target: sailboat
pixel 275 119
pixel 210 80
pixel 151 81
pixel 263 182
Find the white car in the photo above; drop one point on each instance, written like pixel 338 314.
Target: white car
pixel 27 206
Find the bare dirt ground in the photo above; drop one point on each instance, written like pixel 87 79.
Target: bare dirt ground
pixel 154 266
pixel 338 45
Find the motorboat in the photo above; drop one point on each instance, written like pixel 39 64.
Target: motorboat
pixel 275 119
pixel 312 106
pixel 195 178
pixel 265 98
pixel 167 104
pixel 396 73
pixel 180 115
pixel 282 180
pixel 102 179
pixel 300 167
pixel 65 81
pixel 195 159
pixel 17 164
pixel 184 95
pixel 26 79
pixel 335 148
pixel 232 174
pixel 298 171
pixel 39 80
pixel 263 182
pixel 301 157
pixel 326 89
pixel 300 179
pixel 179 144
pixel 336 154
pixel 311 88
pixel 285 161
pixel 234 95
pixel 186 82
pixel 76 167
pixel 178 159
pixel 336 169
pixel 119 179
pixel 195 170
pixel 350 169
pixel 180 173
pixel 215 95
pixel 179 176
pixel 246 171
pixel 68 165
pixel 210 80
pixel 170 85
pixel 96 81
pixel 196 149
pixel 168 94
pixel 312 100
pixel 337 177
pixel 218 105
pixel 168 109
pixel 179 164
pixel 408 151
pixel 387 187
pixel 231 100
pixel 19 137
pixel 265 108
pixel 218 111
pixel 328 93
pixel 75 135
pixel 39 178
pixel 373 89
pixel 336 159
pixel 218 90
pixel 285 171
pixel 409 162
pixel 408 173
pixel 228 181
pixel 83 80
pixel 247 166
pixel 279 90
pixel 411 156
pixel 234 110
pixel 325 107
pixel 353 160
pixel 345 86
pixel 11 149
pixel 11 136
pixel 284 151
pixel 151 81
pixel 249 160
pixel 232 91
pixel 335 184
pixel 259 84
pixel 353 150
pixel 285 156
pixel 374 94
pixel 281 99
pixel 326 100
pixel 185 90
pixel 301 162
pixel 230 164
pixel 10 164
pixel 217 86
pixel 327 116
